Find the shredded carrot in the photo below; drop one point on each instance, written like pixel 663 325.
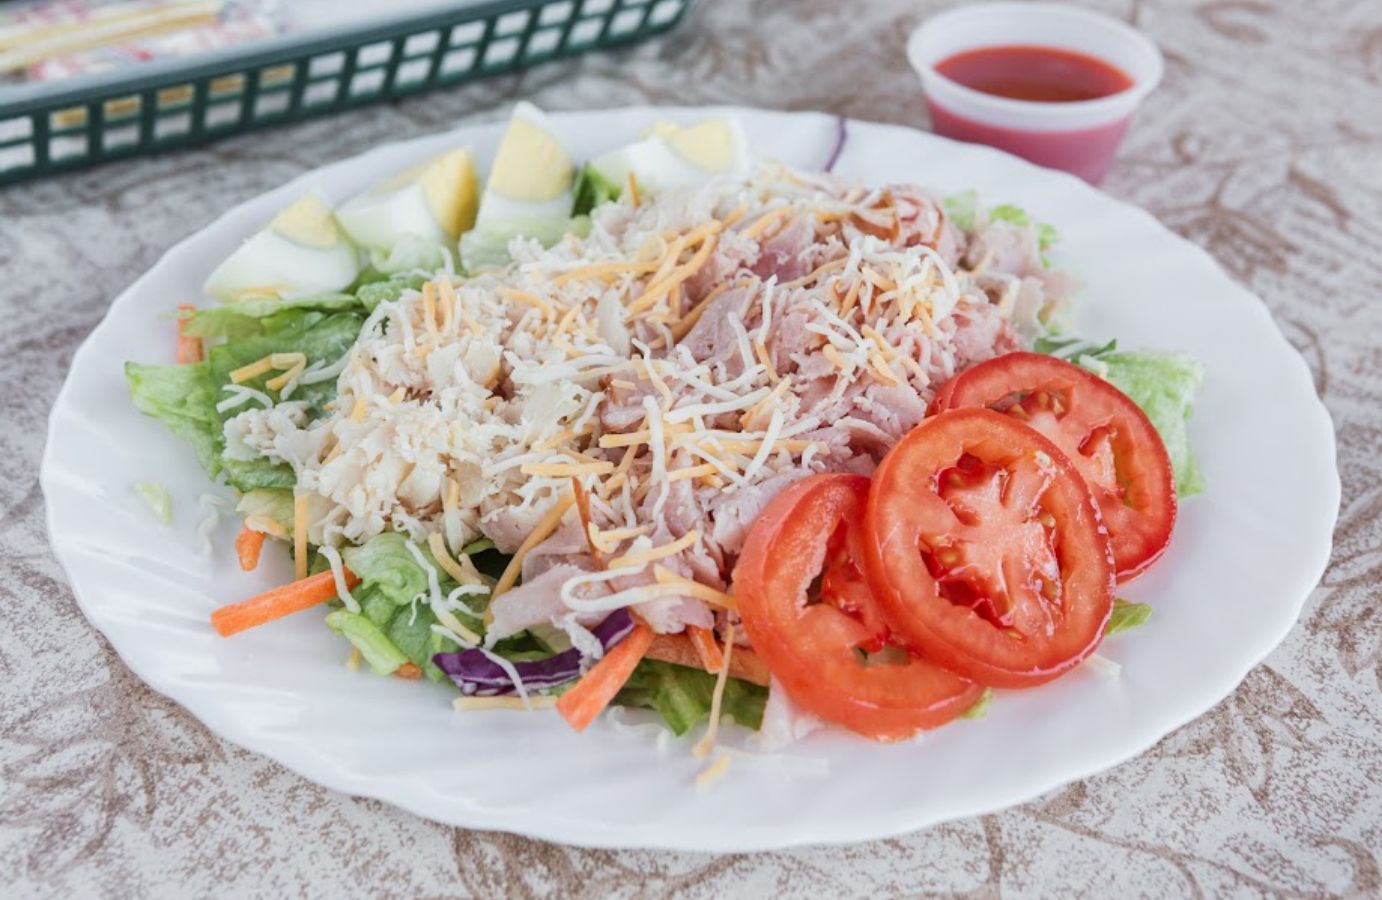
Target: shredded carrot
pixel 189 349
pixel 248 544
pixel 596 689
pixel 279 602
pixel 679 650
pixel 703 639
pixel 409 671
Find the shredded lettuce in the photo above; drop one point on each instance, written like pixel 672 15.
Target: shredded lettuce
pixel 184 399
pixel 1126 615
pixel 157 499
pixel 682 695
pixel 383 657
pixel 591 190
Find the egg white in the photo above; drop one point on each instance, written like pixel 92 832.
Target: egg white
pixel 377 220
pixel 272 265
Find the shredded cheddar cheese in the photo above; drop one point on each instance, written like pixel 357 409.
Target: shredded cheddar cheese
pixel 640 558
pixel 713 772
pixel 692 588
pixel 533 702
pixel 766 221
pixel 300 536
pixel 712 728
pixel 566 470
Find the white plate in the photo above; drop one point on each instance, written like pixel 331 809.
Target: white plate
pixel 1244 556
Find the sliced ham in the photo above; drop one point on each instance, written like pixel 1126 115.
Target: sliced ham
pixel 713 338
pixel 731 515
pixel 538 602
pixel 784 254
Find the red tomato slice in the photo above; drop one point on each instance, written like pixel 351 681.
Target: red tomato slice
pixel 986 551
pixel 812 645
pixel 1103 432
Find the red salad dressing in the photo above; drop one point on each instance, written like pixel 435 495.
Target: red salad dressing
pixel 1043 75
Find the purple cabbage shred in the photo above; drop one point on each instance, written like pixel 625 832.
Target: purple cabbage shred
pixel 477 675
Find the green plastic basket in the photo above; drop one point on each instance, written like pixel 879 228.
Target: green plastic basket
pixel 49 128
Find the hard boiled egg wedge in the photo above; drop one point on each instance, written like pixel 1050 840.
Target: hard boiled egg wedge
pixel 434 200
pixel 300 253
pixel 532 173
pixel 672 156
pixel 529 192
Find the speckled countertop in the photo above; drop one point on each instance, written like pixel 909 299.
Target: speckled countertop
pixel 1263 145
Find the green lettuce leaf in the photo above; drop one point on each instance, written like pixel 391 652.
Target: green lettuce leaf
pixel 257 474
pixel 184 399
pixel 157 499
pixel 385 564
pixel 1126 615
pixel 682 695
pixel 251 317
pixel 411 632
pixel 389 289
pixel 1006 212
pixel 383 657
pixel 591 190
pixel 375 605
pixel 322 337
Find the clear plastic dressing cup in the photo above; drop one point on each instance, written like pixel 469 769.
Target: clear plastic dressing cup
pixel 1077 136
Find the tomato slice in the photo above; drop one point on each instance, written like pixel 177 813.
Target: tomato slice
pixel 985 550
pixel 811 645
pixel 1103 432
